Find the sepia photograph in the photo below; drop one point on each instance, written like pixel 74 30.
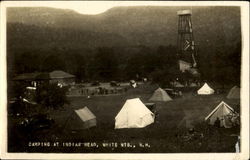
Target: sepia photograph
pixel 123 77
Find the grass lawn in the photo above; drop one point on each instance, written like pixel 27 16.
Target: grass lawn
pixel 159 137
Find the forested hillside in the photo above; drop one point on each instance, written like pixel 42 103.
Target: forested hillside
pixel 121 42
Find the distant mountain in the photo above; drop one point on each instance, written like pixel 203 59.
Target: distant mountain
pixel 25 36
pixel 119 26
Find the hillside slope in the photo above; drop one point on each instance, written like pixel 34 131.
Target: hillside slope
pixel 120 26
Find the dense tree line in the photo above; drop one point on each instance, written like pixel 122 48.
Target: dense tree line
pixel 221 64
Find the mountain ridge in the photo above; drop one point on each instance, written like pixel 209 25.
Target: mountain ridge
pixel 143 25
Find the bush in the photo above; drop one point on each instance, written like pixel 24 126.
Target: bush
pixel 51 95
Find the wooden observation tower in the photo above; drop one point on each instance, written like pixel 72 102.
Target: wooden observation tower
pixel 186 50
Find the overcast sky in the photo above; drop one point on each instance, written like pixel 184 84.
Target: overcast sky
pixel 96 7
pixel 88 7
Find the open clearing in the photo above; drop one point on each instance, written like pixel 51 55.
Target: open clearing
pixel 159 137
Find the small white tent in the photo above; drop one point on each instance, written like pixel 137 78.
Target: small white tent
pixel 221 112
pixel 178 84
pixel 193 85
pixel 134 114
pixel 205 90
pixel 160 95
pixel 81 119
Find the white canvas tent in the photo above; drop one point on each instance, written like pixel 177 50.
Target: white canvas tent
pixel 160 95
pixel 134 114
pixel 234 93
pixel 221 112
pixel 81 119
pixel 178 84
pixel 193 85
pixel 205 90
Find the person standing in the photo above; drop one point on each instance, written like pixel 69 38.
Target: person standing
pixel 217 123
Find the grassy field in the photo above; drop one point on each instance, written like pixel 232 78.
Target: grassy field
pixel 160 137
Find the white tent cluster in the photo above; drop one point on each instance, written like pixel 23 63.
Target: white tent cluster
pixel 134 114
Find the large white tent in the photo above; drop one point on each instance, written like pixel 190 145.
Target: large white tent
pixel 221 112
pixel 160 95
pixel 205 90
pixel 134 114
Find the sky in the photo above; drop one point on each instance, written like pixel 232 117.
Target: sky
pixel 97 7
pixel 87 7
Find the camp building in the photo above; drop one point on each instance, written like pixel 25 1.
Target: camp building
pixel 62 78
pixel 184 66
pixel 33 79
